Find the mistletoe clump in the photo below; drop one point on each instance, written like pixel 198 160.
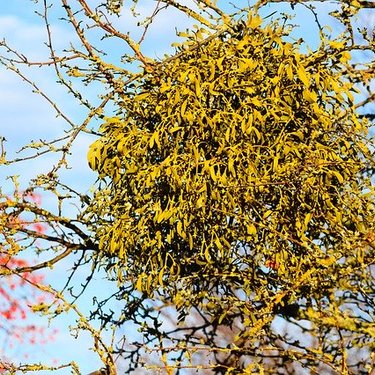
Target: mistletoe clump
pixel 235 177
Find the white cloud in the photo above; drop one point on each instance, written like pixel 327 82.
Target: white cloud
pixel 30 38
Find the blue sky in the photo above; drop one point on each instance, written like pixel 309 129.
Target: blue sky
pixel 26 116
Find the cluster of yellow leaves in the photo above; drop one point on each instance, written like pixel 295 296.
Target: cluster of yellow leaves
pixel 236 152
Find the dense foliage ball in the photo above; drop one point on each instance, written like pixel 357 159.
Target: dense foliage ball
pixel 235 171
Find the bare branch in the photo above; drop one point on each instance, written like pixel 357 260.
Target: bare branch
pixel 49 263
pixel 39 91
pixel 112 31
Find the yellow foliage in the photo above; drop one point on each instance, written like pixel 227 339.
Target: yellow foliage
pixel 238 165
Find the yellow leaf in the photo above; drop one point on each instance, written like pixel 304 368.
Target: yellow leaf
pixel 302 75
pixel 251 229
pixel 212 173
pixel 254 21
pixel 328 261
pixel 190 241
pixel 275 163
pixel 141 96
pixel 198 90
pixel 183 108
pixel 338 176
pixel 160 276
pixel 179 228
pixel 307 218
pixel 218 243
pixel 94 153
pixel 310 96
pixel 139 283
